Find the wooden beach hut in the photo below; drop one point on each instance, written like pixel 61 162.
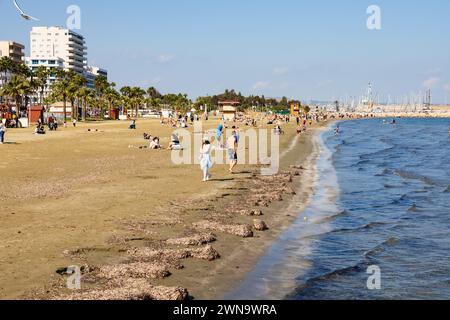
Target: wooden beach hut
pixel 295 108
pixel 229 109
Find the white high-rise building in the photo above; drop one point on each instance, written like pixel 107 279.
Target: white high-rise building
pixel 49 64
pixel 63 49
pixel 59 43
pixel 92 73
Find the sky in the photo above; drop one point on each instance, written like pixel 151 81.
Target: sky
pixel 307 50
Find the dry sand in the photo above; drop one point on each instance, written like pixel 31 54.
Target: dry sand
pixel 78 198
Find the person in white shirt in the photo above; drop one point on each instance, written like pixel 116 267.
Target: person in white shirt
pixel 2 132
pixel 232 144
pixel 206 159
pixel 155 145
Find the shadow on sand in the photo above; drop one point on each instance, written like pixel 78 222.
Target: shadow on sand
pixel 11 143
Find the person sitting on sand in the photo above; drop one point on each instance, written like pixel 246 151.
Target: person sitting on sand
pixel 278 131
pixel 183 123
pixel 53 125
pixel 148 136
pixel 133 125
pixel 39 129
pixel 155 145
pixel 175 143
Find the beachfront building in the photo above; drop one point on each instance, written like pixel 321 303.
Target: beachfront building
pixel 12 50
pixel 59 43
pixel 49 63
pixel 91 73
pixel 56 110
pixel 60 49
pixel 229 110
pixel 295 108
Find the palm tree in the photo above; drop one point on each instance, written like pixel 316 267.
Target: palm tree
pixel 137 98
pixel 41 75
pixel 17 89
pixel 125 99
pixel 101 84
pixel 6 65
pixel 21 70
pixel 133 98
pixel 85 94
pixel 76 82
pixel 112 96
pixel 153 94
pixel 60 90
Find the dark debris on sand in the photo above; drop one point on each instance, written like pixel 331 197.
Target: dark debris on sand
pixel 129 280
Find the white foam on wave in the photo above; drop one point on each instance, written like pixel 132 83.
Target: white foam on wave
pixel 275 276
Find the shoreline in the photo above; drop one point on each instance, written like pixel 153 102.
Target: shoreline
pixel 279 216
pixel 154 229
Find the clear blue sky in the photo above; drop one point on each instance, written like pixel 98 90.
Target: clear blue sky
pixel 305 49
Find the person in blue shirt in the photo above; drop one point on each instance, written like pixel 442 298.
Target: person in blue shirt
pixel 219 135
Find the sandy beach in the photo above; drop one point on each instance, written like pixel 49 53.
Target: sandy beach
pixel 85 198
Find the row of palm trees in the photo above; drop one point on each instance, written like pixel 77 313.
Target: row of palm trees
pixel 19 84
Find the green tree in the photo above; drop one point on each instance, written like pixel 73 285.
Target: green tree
pixel 133 97
pixel 76 82
pixel 84 95
pixel 6 66
pixel 41 75
pixel 101 85
pixel 17 89
pixel 60 90
pixel 153 96
pixel 307 109
pixel 112 96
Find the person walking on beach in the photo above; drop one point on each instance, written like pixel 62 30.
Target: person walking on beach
pixel 219 134
pixel 237 133
pixel 205 159
pixel 2 132
pixel 232 144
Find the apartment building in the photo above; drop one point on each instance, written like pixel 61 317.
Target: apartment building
pixel 49 64
pixel 12 50
pixel 92 73
pixel 48 43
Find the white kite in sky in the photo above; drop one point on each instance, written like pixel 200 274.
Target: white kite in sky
pixel 23 14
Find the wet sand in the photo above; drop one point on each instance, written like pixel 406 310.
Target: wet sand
pixel 79 198
pixel 240 258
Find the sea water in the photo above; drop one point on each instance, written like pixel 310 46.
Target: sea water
pixel 382 200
